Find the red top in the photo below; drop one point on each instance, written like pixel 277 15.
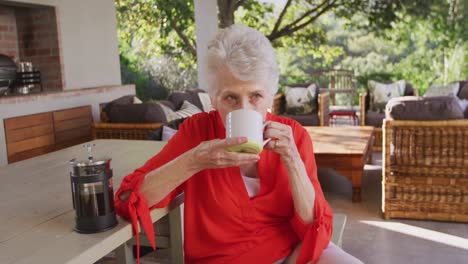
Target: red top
pixel 221 223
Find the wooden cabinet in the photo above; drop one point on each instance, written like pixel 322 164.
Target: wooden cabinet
pixel 33 135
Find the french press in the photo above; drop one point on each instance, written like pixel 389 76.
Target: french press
pixel 92 194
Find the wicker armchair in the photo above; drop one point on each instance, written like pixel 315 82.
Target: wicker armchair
pixel 425 173
pixel 279 105
pixel 137 131
pixel 369 118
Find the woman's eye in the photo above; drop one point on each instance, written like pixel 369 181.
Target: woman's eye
pixel 230 98
pixel 257 96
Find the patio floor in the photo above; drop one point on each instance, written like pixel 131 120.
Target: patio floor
pixel 372 239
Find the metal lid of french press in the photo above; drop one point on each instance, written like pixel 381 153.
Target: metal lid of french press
pixel 90 162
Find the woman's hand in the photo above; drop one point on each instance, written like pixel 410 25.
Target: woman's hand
pixel 213 154
pixel 282 141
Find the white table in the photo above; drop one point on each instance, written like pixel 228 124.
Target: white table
pixel 36 211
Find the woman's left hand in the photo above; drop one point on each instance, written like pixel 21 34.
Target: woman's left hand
pixel 282 140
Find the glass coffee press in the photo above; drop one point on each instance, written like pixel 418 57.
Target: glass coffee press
pixel 92 194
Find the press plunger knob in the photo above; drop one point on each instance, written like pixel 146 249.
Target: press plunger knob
pixel 89 148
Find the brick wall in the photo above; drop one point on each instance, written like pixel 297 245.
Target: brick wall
pixel 8 32
pixel 38 43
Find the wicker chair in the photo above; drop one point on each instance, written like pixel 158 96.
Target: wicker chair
pixel 365 113
pixel 425 170
pixel 137 131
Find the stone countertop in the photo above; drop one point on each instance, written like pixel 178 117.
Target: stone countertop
pixel 44 96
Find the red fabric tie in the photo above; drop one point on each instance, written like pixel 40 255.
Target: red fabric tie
pixel 138 209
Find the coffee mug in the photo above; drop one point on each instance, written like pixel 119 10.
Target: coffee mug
pixel 246 123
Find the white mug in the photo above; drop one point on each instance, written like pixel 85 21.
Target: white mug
pixel 246 123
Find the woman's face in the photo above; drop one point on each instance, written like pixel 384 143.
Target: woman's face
pixel 233 94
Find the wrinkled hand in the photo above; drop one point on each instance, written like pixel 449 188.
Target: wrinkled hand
pixel 213 154
pixel 282 140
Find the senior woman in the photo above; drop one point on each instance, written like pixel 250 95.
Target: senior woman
pixel 239 207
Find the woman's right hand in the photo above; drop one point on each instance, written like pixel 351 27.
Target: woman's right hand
pixel 213 154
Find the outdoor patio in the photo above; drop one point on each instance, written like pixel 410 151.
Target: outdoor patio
pixel 371 238
pixel 112 71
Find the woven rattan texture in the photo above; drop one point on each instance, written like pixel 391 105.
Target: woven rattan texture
pixel 425 170
pixel 123 130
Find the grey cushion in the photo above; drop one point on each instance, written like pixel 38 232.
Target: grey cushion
pixel 463 92
pixel 424 108
pixel 374 119
pixel 178 97
pixel 158 133
pixel 123 100
pixel 167 103
pixel 137 113
pixel 305 119
pixel 194 98
pixel 409 89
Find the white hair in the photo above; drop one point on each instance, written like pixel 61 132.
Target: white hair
pixel 246 53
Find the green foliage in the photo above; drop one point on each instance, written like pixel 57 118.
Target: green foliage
pixel 422 41
pixel 421 50
pixel 153 54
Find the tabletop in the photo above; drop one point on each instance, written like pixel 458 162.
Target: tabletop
pixel 340 140
pixel 37 216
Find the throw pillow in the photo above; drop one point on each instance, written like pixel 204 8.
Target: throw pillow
pixel 463 93
pixel 424 108
pixel 450 89
pixel 194 98
pixel 178 97
pixel 187 109
pixel 137 100
pixel 301 100
pixel 463 103
pixel 381 93
pixel 168 113
pixel 157 134
pixel 123 100
pixel 205 101
pixel 136 113
pixel 167 133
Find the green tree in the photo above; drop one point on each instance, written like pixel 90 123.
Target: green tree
pixel 154 28
pixel 422 50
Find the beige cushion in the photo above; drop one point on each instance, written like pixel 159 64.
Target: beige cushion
pixel 450 89
pixel 301 100
pixel 381 93
pixel 205 101
pixel 187 109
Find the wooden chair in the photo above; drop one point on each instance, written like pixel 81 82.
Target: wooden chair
pixel 279 107
pixel 336 81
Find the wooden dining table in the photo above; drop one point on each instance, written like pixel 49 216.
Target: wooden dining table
pixel 345 149
pixel 36 210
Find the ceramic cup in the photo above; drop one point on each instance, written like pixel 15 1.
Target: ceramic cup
pixel 246 123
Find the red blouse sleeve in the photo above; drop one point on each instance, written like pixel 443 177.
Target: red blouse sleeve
pixel 316 235
pixel 135 207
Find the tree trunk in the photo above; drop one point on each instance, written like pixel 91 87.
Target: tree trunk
pixel 226 9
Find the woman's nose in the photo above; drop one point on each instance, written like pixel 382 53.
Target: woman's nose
pixel 245 104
